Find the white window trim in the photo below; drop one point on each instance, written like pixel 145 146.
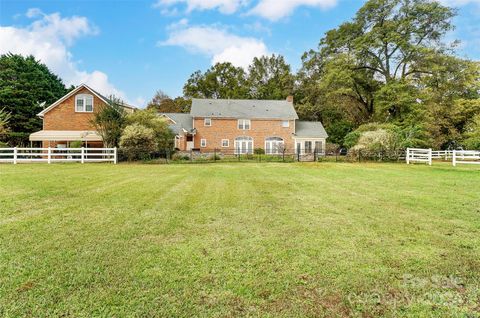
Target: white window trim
pixel 282 142
pixel 203 143
pixel 243 121
pixel 286 121
pixel 235 144
pixel 228 143
pixel 84 97
pixel 205 122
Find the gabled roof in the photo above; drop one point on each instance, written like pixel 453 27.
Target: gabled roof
pixel 73 92
pixel 181 122
pixel 312 129
pixel 243 109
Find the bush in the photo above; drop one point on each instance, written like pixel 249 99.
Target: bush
pixel 259 151
pixel 215 157
pixel 76 144
pixel 163 136
pixel 137 142
pixel 180 156
pixel 3 145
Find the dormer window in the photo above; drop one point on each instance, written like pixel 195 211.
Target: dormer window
pixel 84 103
pixel 207 122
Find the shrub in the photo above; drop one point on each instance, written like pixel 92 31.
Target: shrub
pixel 215 157
pixel 76 144
pixel 259 151
pixel 137 142
pixel 180 156
pixel 163 136
pixel 3 144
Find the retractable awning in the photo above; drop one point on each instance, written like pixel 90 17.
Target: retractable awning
pixel 65 135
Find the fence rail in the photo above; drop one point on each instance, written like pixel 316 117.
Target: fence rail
pixel 419 155
pixel 465 157
pixel 51 155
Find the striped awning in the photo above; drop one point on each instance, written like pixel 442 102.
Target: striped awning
pixel 65 135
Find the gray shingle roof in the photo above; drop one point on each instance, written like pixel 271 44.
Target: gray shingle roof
pixel 182 121
pixel 310 129
pixel 243 109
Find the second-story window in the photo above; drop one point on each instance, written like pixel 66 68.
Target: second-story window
pixel 84 103
pixel 207 122
pixel 244 124
pixel 285 123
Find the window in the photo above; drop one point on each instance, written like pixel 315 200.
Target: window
pixel 318 146
pixel 203 143
pixel 207 122
pixel 244 124
pixel 308 147
pixel 274 146
pixel 244 145
pixel 285 124
pixel 225 143
pixel 84 103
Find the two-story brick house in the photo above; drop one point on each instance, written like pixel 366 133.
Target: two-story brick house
pixel 240 126
pixel 69 119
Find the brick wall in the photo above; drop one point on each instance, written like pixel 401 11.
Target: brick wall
pixel 227 129
pixel 64 117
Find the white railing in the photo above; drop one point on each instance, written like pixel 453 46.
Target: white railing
pixel 419 155
pixel 466 157
pixel 51 155
pixel 442 154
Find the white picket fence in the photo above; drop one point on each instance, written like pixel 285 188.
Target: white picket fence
pixel 466 157
pixel 51 155
pixel 442 154
pixel 457 156
pixel 419 155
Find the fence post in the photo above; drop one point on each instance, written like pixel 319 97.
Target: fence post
pixel 49 155
pixel 430 156
pixel 115 160
pixel 82 155
pixel 359 155
pixel 15 155
pixel 407 157
pixel 454 158
pixel 214 154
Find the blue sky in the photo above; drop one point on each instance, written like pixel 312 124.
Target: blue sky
pixel 132 48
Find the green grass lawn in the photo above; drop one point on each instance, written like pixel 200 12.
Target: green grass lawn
pixel 239 239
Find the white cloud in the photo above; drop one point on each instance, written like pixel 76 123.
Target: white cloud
pixel 48 39
pixel 224 6
pixel 216 43
pixel 277 9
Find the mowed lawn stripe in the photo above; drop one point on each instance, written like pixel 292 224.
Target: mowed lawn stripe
pixel 237 239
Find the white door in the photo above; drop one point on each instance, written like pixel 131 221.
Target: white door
pixel 244 145
pixel 189 145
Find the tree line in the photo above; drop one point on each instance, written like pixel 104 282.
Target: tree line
pixel 385 79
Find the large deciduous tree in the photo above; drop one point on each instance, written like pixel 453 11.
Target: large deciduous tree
pixel 26 86
pixel 162 103
pixel 390 64
pixel 270 77
pixel 223 80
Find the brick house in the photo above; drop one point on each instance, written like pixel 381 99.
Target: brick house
pixel 68 119
pixel 240 126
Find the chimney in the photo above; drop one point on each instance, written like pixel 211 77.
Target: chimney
pixel 290 98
